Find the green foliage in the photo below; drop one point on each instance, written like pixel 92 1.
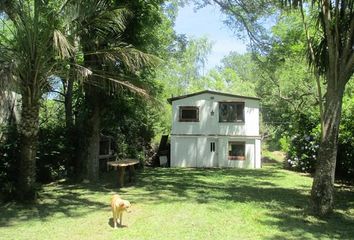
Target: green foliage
pixel 52 145
pixel 235 75
pixel 183 71
pixel 304 144
pixel 345 155
pixel 51 154
pixel 8 165
pixel 286 86
pixel 130 121
pixel 284 143
pixel 303 138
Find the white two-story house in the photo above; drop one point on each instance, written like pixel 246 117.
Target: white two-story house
pixel 214 129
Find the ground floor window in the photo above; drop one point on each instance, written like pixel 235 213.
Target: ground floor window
pixel 236 151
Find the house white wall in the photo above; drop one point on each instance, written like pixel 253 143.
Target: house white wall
pixel 208 124
pixel 190 141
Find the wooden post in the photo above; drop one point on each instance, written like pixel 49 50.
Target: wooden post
pixel 121 172
pixel 131 173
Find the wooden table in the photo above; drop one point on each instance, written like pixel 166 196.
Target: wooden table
pixel 121 165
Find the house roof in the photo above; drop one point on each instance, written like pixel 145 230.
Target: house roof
pixel 170 100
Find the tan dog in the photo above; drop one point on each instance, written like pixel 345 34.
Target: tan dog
pixel 118 207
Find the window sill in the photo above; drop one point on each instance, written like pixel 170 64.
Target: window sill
pixel 236 158
pixel 234 122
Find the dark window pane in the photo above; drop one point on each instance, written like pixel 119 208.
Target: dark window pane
pixel 236 151
pixel 240 111
pixel 189 114
pixel 231 112
pixel 223 112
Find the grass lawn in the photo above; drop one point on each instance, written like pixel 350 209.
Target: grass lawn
pixel 268 203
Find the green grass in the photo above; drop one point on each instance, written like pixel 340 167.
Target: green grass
pixel 269 203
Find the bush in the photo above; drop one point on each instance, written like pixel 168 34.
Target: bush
pixel 345 155
pixel 302 142
pixel 52 143
pixel 9 156
pixel 303 145
pixel 51 159
pixel 284 143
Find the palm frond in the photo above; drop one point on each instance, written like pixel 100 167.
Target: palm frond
pixel 61 44
pixel 30 44
pixel 102 80
pixel 133 88
pixel 112 21
pixel 81 73
pixel 132 58
pixel 99 18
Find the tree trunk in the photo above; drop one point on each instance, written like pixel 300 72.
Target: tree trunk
pixel 70 131
pixel 28 131
pixel 323 184
pixel 69 120
pixel 92 133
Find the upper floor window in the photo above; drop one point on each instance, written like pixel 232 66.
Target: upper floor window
pixel 231 112
pixel 188 114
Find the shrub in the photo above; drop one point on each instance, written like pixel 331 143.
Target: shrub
pixel 284 143
pixel 51 159
pixel 302 141
pixel 9 155
pixel 52 143
pixel 303 145
pixel 345 155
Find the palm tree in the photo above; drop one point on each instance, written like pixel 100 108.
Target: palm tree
pixel 31 42
pixel 108 65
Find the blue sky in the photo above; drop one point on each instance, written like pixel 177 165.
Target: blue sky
pixel 208 22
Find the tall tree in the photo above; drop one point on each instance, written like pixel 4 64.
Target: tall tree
pixel 108 63
pixel 183 73
pixel 332 56
pixel 31 52
pixel 236 74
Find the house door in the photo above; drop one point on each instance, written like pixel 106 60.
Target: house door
pixel 183 152
pixel 211 153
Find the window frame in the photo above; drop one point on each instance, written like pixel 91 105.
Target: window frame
pixel 242 104
pixel 236 158
pixel 181 108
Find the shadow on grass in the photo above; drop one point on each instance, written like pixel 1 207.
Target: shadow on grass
pixel 110 223
pixel 59 200
pixel 63 199
pixel 284 205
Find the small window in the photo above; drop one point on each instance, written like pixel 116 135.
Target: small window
pixel 231 112
pixel 188 114
pixel 236 151
pixel 212 146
